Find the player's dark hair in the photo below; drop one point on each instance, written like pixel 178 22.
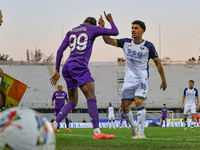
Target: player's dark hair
pixel 141 23
pixel 192 81
pixel 164 104
pixel 91 20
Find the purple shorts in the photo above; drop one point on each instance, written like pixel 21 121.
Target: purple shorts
pixel 122 116
pixel 56 111
pixel 164 117
pixel 76 74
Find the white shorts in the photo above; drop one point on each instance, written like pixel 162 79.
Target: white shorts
pixel 111 118
pixel 190 110
pixel 138 88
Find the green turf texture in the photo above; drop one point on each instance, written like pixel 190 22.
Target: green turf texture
pixel 171 138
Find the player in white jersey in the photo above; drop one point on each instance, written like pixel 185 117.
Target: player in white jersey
pixel 190 96
pixel 137 54
pixel 111 114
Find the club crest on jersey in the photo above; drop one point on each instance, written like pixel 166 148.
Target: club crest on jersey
pixel 142 48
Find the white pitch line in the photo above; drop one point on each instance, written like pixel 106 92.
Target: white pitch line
pixel 158 139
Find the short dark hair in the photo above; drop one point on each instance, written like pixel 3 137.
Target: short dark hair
pixel 141 23
pixel 164 104
pixel 191 81
pixel 91 20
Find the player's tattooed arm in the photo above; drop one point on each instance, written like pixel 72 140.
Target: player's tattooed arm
pixel 120 110
pixel 162 74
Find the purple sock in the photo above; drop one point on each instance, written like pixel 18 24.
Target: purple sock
pixel 161 124
pixel 67 122
pixel 58 127
pixel 165 124
pixel 127 123
pixel 121 122
pixel 64 111
pixel 93 112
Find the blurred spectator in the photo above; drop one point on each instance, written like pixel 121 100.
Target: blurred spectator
pixel 70 121
pixel 83 120
pixel 52 120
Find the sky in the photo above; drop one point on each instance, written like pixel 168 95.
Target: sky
pixel 39 23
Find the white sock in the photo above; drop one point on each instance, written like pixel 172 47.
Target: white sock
pixel 141 118
pixel 109 125
pixel 192 124
pixel 129 117
pixel 113 124
pixel 97 131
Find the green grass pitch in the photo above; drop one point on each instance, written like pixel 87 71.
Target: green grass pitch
pixel 156 139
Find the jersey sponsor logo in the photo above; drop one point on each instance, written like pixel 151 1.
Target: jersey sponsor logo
pixel 134 54
pixel 59 97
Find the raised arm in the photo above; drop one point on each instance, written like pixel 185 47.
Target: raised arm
pixel 162 74
pixel 101 23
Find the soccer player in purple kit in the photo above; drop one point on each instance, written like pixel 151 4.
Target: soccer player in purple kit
pixel 76 72
pixel 60 96
pixel 164 114
pixel 122 117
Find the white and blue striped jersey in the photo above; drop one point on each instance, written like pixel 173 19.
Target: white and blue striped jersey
pixel 190 96
pixel 111 110
pixel 137 58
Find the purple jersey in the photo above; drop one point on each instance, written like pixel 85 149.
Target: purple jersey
pixel 80 40
pixel 164 111
pixel 59 99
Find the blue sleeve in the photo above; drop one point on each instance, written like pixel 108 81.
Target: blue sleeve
pixel 196 92
pixel 53 97
pixel 113 108
pixel 104 31
pixel 107 108
pixel 120 42
pixel 184 93
pixel 152 51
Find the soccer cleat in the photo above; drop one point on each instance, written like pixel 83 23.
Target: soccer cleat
pixel 127 127
pixel 114 128
pixel 139 135
pixel 52 127
pixel 185 127
pixel 192 129
pixel 120 128
pixel 55 124
pixel 103 136
pixel 68 130
pixel 58 130
pixel 134 131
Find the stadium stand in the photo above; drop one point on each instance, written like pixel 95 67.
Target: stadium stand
pixel 106 87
